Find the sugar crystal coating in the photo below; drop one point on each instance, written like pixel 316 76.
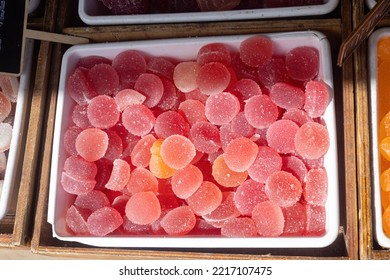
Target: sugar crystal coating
pixel 225 176
pixel 170 123
pixel 287 96
pixel 303 63
pixel 240 126
pixel 240 154
pixel 70 139
pixel 221 108
pixel 103 112
pixel 128 97
pixel 295 220
pixel 185 76
pixel 92 144
pixel 142 180
pixel 92 201
pixel 267 162
pixel 250 54
pixel 171 97
pixel 104 221
pixel 129 65
pixel 260 111
pixel 283 188
pixel 281 136
pixel 205 137
pixel 316 98
pixel 138 119
pixel 295 166
pixel 248 195
pixel 269 219
pixel 206 199
pixel 179 221
pixel 213 78
pixel 75 221
pixel 79 168
pixel 80 117
pixel 151 86
pixel 104 79
pixel 315 189
pixel 140 155
pixel 225 211
pixel 79 87
pixel 315 220
pixel 76 186
pixel 193 110
pixel 214 52
pixel 161 66
pixel 239 227
pixel 120 175
pixel 312 140
pixel 143 208
pixel 246 88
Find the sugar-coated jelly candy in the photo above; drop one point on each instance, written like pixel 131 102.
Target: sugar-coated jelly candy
pixel 267 162
pixel 9 85
pixel 248 195
pixel 75 221
pixel 127 97
pixel 103 112
pixel 221 108
pixel 92 60
pixel 171 97
pixel 70 139
pixel 161 66
pixel 384 148
pixel 185 75
pixel 115 145
pixel 140 155
pixel 76 186
pixel 5 136
pixel 104 79
pixel 272 72
pixel 92 144
pixel 134 229
pixel 151 86
pixel 281 136
pixel 170 123
pixel 242 70
pixel 79 168
pixel 142 180
pixel 287 96
pixel 385 199
pixel 246 88
pixel 5 106
pixel 385 180
pixel 226 210
pixel 214 52
pixel 316 98
pixel 260 111
pixel 104 221
pixel 213 78
pixel 156 164
pixel 386 221
pixel 143 208
pixel 92 201
pixel 179 221
pixel 283 188
pixel 205 137
pixel 225 176
pixel 185 182
pixel 193 110
pixel 80 117
pixel 295 166
pixel 239 227
pixel 384 127
pixel 240 154
pixel 138 119
pixel 104 167
pixel 240 126
pixel 312 140
pixel 315 220
pixel 303 63
pixel 268 218
pixel 119 203
pixel 206 199
pixel 79 88
pixel 250 54
pixel 226 135
pixel 294 220
pixel 297 115
pixel 129 65
pixel 126 7
pixel 315 189
pixel 120 175
pixel 217 5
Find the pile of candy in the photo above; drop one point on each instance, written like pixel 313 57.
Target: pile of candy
pixel 9 86
pixel 129 7
pixel 231 143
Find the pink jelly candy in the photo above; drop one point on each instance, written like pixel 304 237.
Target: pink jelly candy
pixel 240 154
pixel 269 219
pixel 103 112
pixel 128 97
pixel 79 88
pixel 170 123
pixel 142 180
pixel 92 144
pixel 140 155
pixel 179 221
pixel 295 166
pixel 295 220
pixel 75 186
pixel 213 78
pixel 79 168
pixel 70 139
pixel 317 98
pixel 120 175
pixel 104 221
pixel 185 182
pixel 9 85
pixel 143 208
pixel 138 119
pixel 260 111
pixel 298 116
pixel 193 110
pixel 272 72
pixel 248 195
pixel 171 96
pixel 303 63
pixel 5 136
pixel 287 96
pixel 104 79
pixel 240 126
pixel 151 86
pixel 246 88
pixel 226 210
pixel 225 176
pixel 75 221
pixel 185 76
pixel 206 199
pixel 283 188
pixel 5 106
pixel 115 145
pixel 239 227
pixel 92 60
pixel 312 140
pixel 92 201
pixel 315 220
pixel 205 137
pixel 250 54
pixel 221 108
pixel 281 136
pixel 267 162
pixel 80 117
pixel 161 66
pixel 214 52
pixel 129 65
pixel 315 189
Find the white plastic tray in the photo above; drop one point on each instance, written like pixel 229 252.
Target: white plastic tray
pixel 186 49
pixel 381 237
pixel 90 12
pixel 16 149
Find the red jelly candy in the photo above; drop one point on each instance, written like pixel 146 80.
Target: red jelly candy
pixel 213 78
pixel 295 166
pixel 317 98
pixel 221 108
pixel 303 63
pixel 269 219
pixel 138 119
pixel 104 79
pixel 79 88
pixel 246 88
pixel 248 195
pixel 295 220
pixel 240 154
pixel 193 110
pixel 151 86
pixel 177 151
pixel 298 116
pixel 179 221
pixel 79 168
pixel 126 7
pixel 115 145
pixel 186 181
pixel 103 112
pixel 161 66
pixel 312 140
pixel 250 54
pixel 272 72
pixel 239 227
pixel 225 176
pixel 128 97
pixel 143 208
pixel 281 136
pixel 206 199
pixel 214 52
pixel 226 135
pixel 92 143
pixel 171 123
pixel 129 66
pixel 267 162
pixel 92 60
pixel 140 155
pixel 315 189
pixel 260 111
pixel 80 117
pixel 185 76
pixel 205 137
pixel 119 176
pixel 287 96
pixel 315 220
pixel 283 188
pixel 104 221
pixel 170 97
pixel 70 139
pixel 226 210
pixel 75 221
pixel 10 86
pixel 240 126
pixel 75 186
pixel 92 201
pixel 134 229
pixel 142 180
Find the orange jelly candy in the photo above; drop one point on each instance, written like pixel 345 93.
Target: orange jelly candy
pixel 386 221
pixel 157 165
pixel 384 147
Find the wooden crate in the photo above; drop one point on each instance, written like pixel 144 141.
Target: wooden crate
pixel 335 27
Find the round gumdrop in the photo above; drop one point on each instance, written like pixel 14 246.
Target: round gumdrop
pixel 115 145
pixel 70 136
pixel 315 189
pixel 303 63
pixel 75 221
pixel 151 86
pixel 316 98
pixel 221 108
pixel 193 110
pixel 226 135
pixel 103 112
pixel 177 151
pixel 272 72
pixel 80 116
pixel 385 180
pixel 142 180
pixel 281 136
pixel 92 201
pixel 267 162
pixel 171 123
pixel 140 155
pixel 240 154
pixel 79 168
pixel 104 79
pixel 246 88
pixel 295 220
pixel 206 199
pixel 213 78
pixel 92 60
pixel 5 106
pixel 92 144
pixel 384 127
pixel 10 87
pixel 384 147
pixel 179 221
pixel 138 119
pixel 161 66
pixel 185 76
pixel 79 88
pixel 214 52
pixel 171 96
pixel 143 208
pixel 5 136
pixel 156 164
pixel 295 166
pixel 75 186
pixel 104 221
pixel 225 176
pixel 205 137
pixel 185 182
pixel 256 51
pixel 104 167
pixel 226 210
pixel 283 188
pixel 312 140
pixel 287 96
pixel 298 116
pixel 260 111
pixel 248 195
pixel 127 97
pixel 135 229
pixel 196 94
pixel 129 65
pixel 120 175
pixel 268 218
pixel 239 227
pixel 240 126
pixel 315 220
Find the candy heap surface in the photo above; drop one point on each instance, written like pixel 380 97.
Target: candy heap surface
pixel 230 143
